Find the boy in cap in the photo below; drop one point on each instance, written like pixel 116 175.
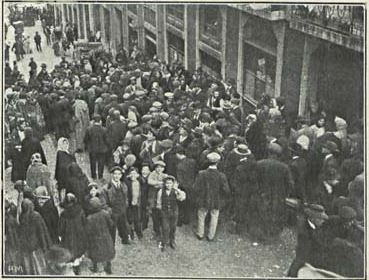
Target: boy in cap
pixel 167 201
pixel 116 198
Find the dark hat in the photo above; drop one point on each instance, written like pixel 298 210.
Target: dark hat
pixel 58 254
pixel 331 146
pixel 347 213
pixel 19 185
pixel 114 168
pixel 97 117
pixel 43 65
pixel 274 148
pixel 166 144
pixel 227 105
pixel 315 211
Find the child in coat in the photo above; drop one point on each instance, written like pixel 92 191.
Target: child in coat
pixel 167 201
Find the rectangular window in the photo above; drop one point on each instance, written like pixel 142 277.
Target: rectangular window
pixel 150 16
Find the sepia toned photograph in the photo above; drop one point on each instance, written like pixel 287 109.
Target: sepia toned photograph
pixel 183 140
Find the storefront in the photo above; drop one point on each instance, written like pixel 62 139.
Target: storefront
pixel 259 61
pixel 175 48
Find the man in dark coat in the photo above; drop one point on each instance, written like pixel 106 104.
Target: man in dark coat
pixel 100 245
pixel 63 113
pixel 97 145
pixel 298 167
pixel 244 183
pixel 186 172
pixel 30 145
pixel 210 186
pixel 116 131
pixel 116 198
pixel 275 185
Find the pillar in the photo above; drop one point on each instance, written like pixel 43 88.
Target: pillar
pixel 113 29
pixel 240 64
pixel 190 33
pixel 230 48
pixel 91 18
pixel 140 26
pixel 307 75
pixel 125 28
pixel 161 33
pixel 102 24
pixel 64 21
pixel 85 37
pixel 223 12
pixel 78 20
pixel 197 36
pixel 279 29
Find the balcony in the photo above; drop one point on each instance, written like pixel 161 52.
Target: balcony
pixel 339 24
pixel 175 16
pixel 266 11
pixel 211 35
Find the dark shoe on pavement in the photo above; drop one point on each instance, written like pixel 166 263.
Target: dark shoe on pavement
pixel 107 268
pixel 126 242
pixel 93 268
pixel 210 240
pixel 199 237
pixel 76 270
pixel 173 245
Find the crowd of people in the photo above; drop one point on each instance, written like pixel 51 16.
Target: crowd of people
pixel 182 149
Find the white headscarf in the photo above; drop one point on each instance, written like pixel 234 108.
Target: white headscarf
pixel 63 145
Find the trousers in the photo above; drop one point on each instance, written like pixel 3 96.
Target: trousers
pixel 169 225
pixel 120 223
pixel 201 215
pixel 97 159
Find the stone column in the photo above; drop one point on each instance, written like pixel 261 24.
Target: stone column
pixel 161 33
pixel 190 33
pixel 113 29
pixel 91 18
pixel 85 37
pixel 78 21
pixel 223 42
pixel 279 29
pixel 63 19
pixel 125 28
pixel 140 27
pixel 307 75
pixel 197 36
pixel 240 64
pixel 102 24
pixel 230 48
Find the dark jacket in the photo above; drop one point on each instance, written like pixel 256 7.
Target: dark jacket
pixel 210 186
pixel 29 147
pixel 63 160
pixel 111 198
pixel 116 132
pixel 100 246
pixel 72 230
pixel 298 169
pixel 96 139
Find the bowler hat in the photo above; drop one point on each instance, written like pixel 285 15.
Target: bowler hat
pixel 169 178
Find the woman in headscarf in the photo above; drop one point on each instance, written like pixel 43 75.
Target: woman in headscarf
pixel 72 230
pixel 34 240
pixel 63 161
pixel 30 146
pixel 38 174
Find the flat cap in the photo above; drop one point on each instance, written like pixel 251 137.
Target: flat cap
pixel 213 157
pixel 114 168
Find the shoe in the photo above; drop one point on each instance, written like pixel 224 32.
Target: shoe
pixel 161 246
pixel 76 270
pixel 199 237
pixel 126 242
pixel 210 240
pixel 172 245
pixel 107 269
